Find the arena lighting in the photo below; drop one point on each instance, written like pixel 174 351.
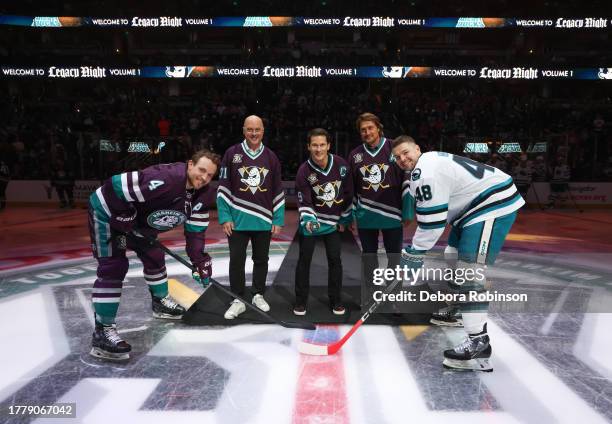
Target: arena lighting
pixel 510 148
pixel 62 71
pixel 133 147
pixel 476 148
pixel 304 21
pixel 539 147
pixel 108 146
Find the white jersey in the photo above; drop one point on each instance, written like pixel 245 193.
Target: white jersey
pixel 451 189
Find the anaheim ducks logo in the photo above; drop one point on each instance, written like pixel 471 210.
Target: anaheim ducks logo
pixel 328 193
pixel 253 177
pixel 374 175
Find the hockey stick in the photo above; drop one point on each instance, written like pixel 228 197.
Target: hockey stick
pixel 308 348
pixel 302 325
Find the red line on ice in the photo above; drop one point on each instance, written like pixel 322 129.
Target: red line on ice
pixel 321 388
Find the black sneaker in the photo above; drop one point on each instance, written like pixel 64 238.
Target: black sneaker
pixel 339 309
pixel 473 354
pixel 167 308
pixel 299 310
pixel 107 344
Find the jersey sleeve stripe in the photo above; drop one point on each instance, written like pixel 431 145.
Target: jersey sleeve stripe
pixel 280 196
pixel 278 205
pixel 432 210
pixel 136 188
pixel 432 225
pixel 100 197
pixel 198 223
pixel 304 214
pixel 306 208
pixel 118 186
pixel 124 188
pixel 199 215
pixel 442 216
pixel 489 207
pixel 194 228
pixel 490 192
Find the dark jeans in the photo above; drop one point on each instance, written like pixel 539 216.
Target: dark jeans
pixel 260 245
pixel 392 240
pixel 334 267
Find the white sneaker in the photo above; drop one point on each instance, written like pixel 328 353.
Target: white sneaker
pixel 260 302
pixel 236 308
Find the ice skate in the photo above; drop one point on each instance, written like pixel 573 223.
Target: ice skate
pixel 107 344
pixel 473 354
pixel 167 308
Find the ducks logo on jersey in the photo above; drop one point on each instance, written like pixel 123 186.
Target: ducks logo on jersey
pixel 253 177
pixel 328 193
pixel 374 176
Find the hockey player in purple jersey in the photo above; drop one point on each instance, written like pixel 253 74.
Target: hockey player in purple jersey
pixel 381 201
pixel 324 190
pixel 146 203
pixel 251 206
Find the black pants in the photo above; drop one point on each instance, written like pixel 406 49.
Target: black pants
pixel 334 267
pixel 3 185
pixel 260 245
pixel 392 240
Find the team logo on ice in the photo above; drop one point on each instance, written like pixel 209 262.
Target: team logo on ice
pixel 374 175
pixel 328 193
pixel 166 219
pixel 253 177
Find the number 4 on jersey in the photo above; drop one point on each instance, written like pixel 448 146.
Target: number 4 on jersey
pixel 153 184
pixel 477 169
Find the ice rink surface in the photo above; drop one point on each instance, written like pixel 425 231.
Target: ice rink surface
pixel 550 365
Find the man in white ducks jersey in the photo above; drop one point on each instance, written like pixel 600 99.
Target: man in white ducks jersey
pixel 480 203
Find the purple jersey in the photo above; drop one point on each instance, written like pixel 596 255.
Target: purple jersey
pixel 159 196
pixel 325 196
pixel 378 187
pixel 250 192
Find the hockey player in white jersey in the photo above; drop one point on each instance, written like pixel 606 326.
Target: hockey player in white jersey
pixel 480 203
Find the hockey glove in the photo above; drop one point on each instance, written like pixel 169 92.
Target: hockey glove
pixel 203 271
pixel 412 260
pixel 138 242
pixel 124 222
